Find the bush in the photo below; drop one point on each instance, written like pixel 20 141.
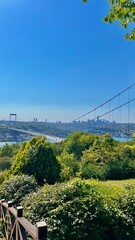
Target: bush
pixel 83 210
pixel 17 187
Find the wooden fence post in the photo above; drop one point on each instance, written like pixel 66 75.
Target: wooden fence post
pixel 41 231
pixel 10 203
pixel 19 211
pixel 17 227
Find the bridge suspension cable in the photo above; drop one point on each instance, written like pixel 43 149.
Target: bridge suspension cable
pixel 114 109
pixel 101 105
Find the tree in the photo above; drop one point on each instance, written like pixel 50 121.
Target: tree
pixel 36 158
pixel 69 165
pixel 124 12
pixel 108 159
pixel 9 150
pixel 77 142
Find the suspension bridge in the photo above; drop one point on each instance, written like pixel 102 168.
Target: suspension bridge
pixel 109 101
pixel 115 112
pixel 30 132
pixel 118 111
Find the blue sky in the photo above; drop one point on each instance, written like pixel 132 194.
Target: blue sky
pixel 58 59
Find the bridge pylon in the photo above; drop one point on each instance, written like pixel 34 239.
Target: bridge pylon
pixel 13 117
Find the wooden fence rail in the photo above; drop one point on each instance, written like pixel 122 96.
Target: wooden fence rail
pixel 16 227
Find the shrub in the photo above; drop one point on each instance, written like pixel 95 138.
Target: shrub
pixel 36 158
pixel 84 210
pixel 17 187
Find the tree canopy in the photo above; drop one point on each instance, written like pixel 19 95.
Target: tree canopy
pixel 77 142
pixel 36 158
pixel 124 12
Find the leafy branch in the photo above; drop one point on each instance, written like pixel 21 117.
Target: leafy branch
pixel 124 12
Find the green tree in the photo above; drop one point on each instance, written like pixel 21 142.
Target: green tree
pixel 124 12
pixel 7 155
pixel 9 150
pixel 108 159
pixel 95 159
pixel 77 142
pixel 124 165
pixel 57 147
pixel 102 151
pixel 5 163
pixel 36 158
pixel 69 165
pixel 6 151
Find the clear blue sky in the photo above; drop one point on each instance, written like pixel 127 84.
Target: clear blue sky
pixel 58 59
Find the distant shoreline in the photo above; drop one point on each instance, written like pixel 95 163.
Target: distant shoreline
pixel 120 139
pixel 10 143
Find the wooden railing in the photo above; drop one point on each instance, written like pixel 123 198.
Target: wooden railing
pixel 16 227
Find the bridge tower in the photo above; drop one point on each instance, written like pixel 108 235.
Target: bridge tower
pixel 13 117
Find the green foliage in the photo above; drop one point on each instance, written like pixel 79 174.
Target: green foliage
pixel 102 151
pixel 90 170
pixel 7 154
pixel 71 150
pixel 57 148
pixel 96 157
pixel 101 157
pixel 6 151
pixel 36 158
pixel 124 12
pixel 9 150
pixel 133 136
pixel 108 159
pixel 17 187
pixel 2 176
pixel 84 210
pixel 5 163
pixel 119 170
pixel 78 142
pixel 69 166
pixel 123 167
